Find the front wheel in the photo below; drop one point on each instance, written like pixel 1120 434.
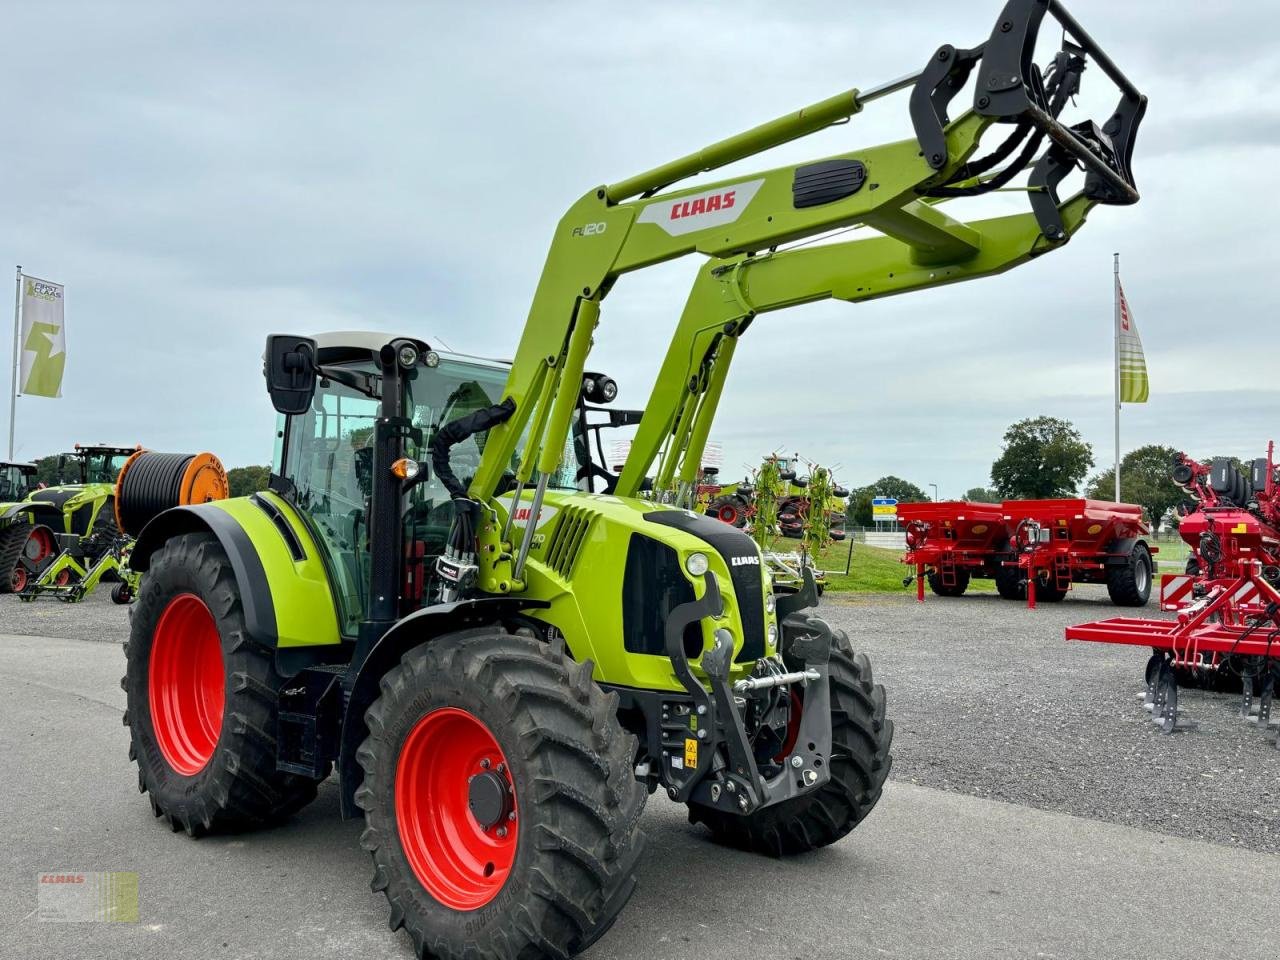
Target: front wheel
pixel 860 760
pixel 202 698
pixel 501 808
pixel 1011 583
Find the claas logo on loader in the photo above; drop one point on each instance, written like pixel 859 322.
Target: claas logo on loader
pixel 691 208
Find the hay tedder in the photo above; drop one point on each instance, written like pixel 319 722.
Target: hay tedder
pixel 1032 549
pixel 734 503
pixel 501 665
pixel 1226 630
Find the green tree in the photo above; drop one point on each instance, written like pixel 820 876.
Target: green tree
pixel 47 470
pixel 247 480
pixel 1145 479
pixel 1042 457
pixel 982 495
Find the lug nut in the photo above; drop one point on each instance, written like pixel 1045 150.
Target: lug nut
pixel 742 803
pixel 502 832
pixel 484 764
pixel 797 762
pixel 502 768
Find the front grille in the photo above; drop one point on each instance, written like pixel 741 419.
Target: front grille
pixel 565 543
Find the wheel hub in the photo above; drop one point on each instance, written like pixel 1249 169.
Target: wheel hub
pixel 489 799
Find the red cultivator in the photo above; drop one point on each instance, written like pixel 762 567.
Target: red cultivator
pixel 1227 628
pixel 1033 549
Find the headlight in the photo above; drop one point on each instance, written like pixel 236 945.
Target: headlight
pixel 408 355
pixel 770 603
pixel 772 634
pixel 696 564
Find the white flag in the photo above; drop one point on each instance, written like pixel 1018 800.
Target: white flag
pixel 1134 386
pixel 43 339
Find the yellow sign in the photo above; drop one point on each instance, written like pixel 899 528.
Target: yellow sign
pixel 1240 528
pixel 980 528
pixel 1095 528
pixel 690 754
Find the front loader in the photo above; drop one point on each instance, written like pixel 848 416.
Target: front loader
pixel 500 664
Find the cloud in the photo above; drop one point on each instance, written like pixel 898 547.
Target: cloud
pixel 200 176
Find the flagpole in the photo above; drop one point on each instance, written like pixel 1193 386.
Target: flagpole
pixel 13 368
pixel 1116 321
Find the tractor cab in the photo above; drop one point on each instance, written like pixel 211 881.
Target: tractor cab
pixel 93 464
pixel 16 481
pixel 325 454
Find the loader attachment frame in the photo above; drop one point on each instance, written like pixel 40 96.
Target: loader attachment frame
pixel 740 224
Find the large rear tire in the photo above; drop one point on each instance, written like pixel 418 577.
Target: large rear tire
pixel 956 589
pixel 202 698
pixel 1130 585
pixel 501 807
pixel 860 762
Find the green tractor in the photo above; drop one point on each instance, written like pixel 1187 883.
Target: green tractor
pixel 499 647
pixel 16 481
pixel 73 521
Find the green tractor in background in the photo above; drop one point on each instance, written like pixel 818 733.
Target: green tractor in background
pixel 17 480
pixel 73 522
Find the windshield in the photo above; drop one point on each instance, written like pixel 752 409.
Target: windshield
pixel 327 456
pixel 104 467
pixel 13 484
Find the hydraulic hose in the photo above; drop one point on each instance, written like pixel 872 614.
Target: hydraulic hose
pixel 150 483
pixel 451 434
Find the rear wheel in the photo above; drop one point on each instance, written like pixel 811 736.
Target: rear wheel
pixel 202 698
pixel 1130 585
pixel 501 808
pixel 860 762
pixel 730 509
pixel 122 593
pixel 1010 583
pixel 955 589
pixel 1049 592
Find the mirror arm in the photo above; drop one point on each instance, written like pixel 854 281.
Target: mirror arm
pixel 365 383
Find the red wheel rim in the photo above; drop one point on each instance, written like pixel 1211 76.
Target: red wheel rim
pixel 728 513
pixel 18 580
pixel 186 684
pixel 39 546
pixel 62 578
pixel 461 861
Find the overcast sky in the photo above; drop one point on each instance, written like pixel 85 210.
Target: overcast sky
pixel 199 175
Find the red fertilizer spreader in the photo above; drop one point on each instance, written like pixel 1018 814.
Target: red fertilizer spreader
pixel 1032 549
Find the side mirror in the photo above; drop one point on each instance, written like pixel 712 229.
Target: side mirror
pixel 290 368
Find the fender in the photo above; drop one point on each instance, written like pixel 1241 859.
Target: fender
pixel 1120 550
pixel 417 628
pixel 288 602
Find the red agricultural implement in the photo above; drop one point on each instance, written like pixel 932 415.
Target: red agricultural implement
pixel 1067 541
pixel 1032 549
pixel 1226 631
pixel 953 542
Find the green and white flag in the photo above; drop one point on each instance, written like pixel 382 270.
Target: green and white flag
pixel 43 339
pixel 1134 387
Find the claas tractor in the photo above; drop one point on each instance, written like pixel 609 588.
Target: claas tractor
pixel 73 519
pixel 498 666
pixel 16 481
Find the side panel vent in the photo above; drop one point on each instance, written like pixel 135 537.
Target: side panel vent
pixel 565 543
pixel 826 182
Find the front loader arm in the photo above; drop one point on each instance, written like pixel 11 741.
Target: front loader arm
pixel 895 189
pixel 728 294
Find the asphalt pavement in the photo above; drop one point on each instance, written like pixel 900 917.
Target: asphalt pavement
pixel 932 873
